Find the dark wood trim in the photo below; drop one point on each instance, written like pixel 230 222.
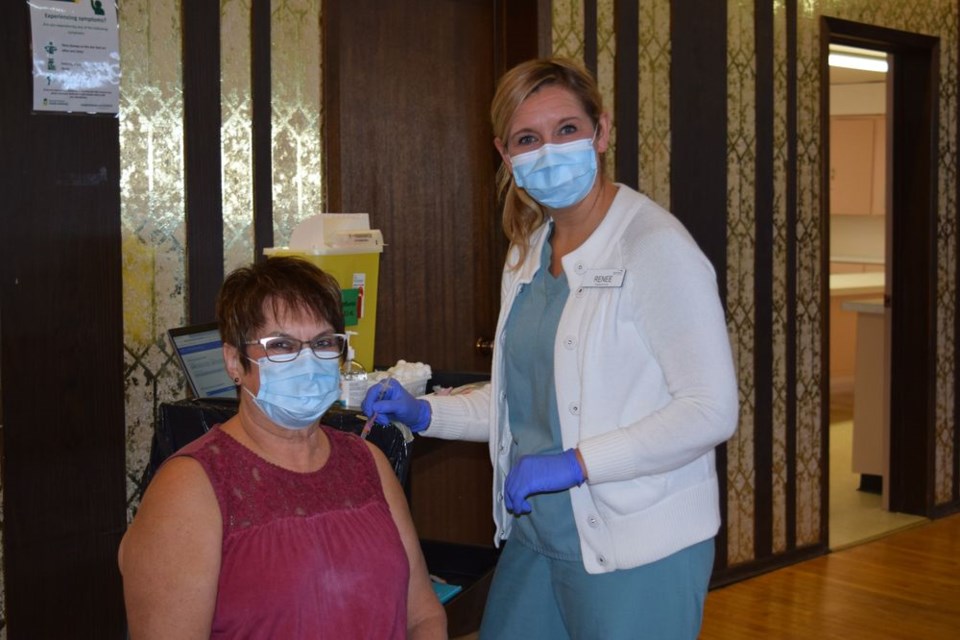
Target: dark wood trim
pixel 590 35
pixel 627 100
pixel 262 127
pixel 698 116
pixel 698 175
pixel 511 37
pixel 203 184
pixel 544 27
pixel 823 228
pixel 331 103
pixel 791 275
pixel 763 283
pixel 915 79
pixel 753 569
pixel 944 510
pixel 955 492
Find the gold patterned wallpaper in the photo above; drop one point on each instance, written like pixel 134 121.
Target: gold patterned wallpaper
pixel 937 18
pixel 152 215
pixel 153 206
pixel 933 17
pixel 151 157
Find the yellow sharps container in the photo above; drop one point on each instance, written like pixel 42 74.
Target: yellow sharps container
pixel 344 245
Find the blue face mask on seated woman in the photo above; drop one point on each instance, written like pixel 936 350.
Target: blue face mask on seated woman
pixel 295 394
pixel 557 175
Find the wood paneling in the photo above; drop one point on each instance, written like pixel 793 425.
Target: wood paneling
pixel 409 142
pixel 262 127
pixel 626 108
pixel 61 360
pixel 201 156
pixel 763 314
pixel 413 148
pixel 698 117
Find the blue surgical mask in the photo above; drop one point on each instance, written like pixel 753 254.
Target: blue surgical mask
pixel 295 394
pixel 557 175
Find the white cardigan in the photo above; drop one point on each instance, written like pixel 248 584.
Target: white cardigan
pixel 645 387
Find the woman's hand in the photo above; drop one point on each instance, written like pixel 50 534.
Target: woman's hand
pixel 388 401
pixel 541 474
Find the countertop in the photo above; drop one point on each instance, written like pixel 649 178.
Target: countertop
pixel 849 284
pixel 852 259
pixel 868 305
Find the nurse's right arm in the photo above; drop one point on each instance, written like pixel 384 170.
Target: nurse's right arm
pixel 170 556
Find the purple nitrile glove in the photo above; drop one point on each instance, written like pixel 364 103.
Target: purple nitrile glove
pixel 540 474
pixel 390 401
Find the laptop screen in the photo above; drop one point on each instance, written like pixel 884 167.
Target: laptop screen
pixel 199 349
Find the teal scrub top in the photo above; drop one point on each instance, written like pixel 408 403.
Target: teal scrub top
pixel 530 336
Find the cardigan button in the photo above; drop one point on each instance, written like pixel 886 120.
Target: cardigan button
pixel 570 342
pixel 579 268
pixel 581 292
pixel 601 560
pixel 574 408
pixel 593 521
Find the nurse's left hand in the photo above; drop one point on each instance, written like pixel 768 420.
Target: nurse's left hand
pixel 541 474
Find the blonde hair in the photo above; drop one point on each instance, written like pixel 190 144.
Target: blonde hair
pixel 521 213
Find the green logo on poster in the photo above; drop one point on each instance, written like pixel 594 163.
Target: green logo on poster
pixel 97 7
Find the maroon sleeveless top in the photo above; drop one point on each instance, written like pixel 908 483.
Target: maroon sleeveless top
pixel 305 555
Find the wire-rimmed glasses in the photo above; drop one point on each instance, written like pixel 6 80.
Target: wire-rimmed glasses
pixel 284 348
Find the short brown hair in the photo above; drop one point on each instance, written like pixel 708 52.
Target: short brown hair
pixel 288 283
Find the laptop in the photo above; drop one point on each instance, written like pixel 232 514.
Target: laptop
pixel 199 349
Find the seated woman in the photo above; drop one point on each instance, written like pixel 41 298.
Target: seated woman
pixel 272 525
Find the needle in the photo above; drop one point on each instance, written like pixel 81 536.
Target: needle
pixel 368 425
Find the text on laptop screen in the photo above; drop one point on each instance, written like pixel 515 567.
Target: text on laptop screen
pixel 200 350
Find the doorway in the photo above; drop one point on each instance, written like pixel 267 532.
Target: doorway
pixel 858 217
pixel 883 212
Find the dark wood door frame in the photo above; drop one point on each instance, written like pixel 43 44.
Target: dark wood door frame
pixel 914 78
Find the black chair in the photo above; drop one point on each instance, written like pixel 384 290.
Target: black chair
pixel 181 422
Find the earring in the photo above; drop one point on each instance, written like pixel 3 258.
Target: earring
pixel 236 381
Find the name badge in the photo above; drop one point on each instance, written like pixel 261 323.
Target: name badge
pixel 603 278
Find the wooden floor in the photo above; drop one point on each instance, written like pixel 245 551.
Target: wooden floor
pixel 906 585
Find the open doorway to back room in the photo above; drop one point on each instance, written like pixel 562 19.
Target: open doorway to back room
pixel 860 119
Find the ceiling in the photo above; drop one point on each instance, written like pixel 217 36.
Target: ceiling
pixel 839 75
pixel 842 75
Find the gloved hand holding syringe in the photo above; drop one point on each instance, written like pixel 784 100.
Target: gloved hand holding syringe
pixel 388 401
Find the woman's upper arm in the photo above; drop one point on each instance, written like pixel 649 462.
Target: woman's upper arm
pixel 425 615
pixel 170 555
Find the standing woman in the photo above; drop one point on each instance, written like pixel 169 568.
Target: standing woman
pixel 272 525
pixel 612 383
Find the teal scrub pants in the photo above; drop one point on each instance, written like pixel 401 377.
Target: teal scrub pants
pixel 535 597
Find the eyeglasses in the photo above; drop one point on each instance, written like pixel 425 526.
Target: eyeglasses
pixel 284 349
